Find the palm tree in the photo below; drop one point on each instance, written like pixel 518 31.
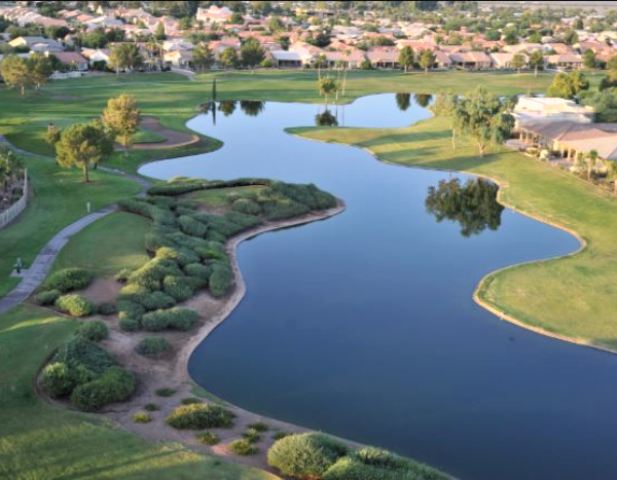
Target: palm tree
pixel 591 159
pixel 327 86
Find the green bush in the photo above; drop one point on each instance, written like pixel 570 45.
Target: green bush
pixel 177 287
pixel 153 347
pixel 127 309
pixel 191 400
pixel 212 250
pixel 85 358
pixel 57 379
pixel 279 435
pixel 165 392
pixel 157 300
pixel 197 270
pixel 47 297
pixel 69 279
pixel 243 447
pixel 381 466
pixel 197 416
pixel 259 427
pixel 246 206
pixel 251 435
pixel 191 226
pixel 128 324
pixel 151 274
pixel 133 292
pixel 106 309
pixel 182 256
pixel 306 455
pixel 151 407
pixel 208 438
pixel 122 275
pixel 94 331
pixel 174 319
pixel 221 279
pixel 142 417
pixel 75 305
pixel 115 385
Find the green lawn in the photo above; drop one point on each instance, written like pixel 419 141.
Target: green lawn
pixel 41 441
pixel 574 296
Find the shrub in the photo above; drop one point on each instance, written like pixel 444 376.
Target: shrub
pixel 153 272
pixel 174 318
pixel 177 287
pixel 183 256
pixel 106 309
pixel 353 468
pixel 259 427
pixel 142 417
pixel 57 379
pixel 151 407
pixel 307 455
pixel 243 447
pixel 153 347
pixel 221 279
pixel 75 305
pixel 191 226
pixel 208 438
pixel 130 309
pixel 94 331
pixel 129 324
pixel 165 392
pixel 69 279
pixel 84 358
pixel 279 435
pixel 134 292
pixel 198 270
pixel 122 275
pixel 157 300
pixel 191 400
pixel 115 385
pixel 246 206
pixel 251 435
pixel 47 297
pixel 197 416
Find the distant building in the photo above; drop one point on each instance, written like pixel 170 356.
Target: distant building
pixel 550 109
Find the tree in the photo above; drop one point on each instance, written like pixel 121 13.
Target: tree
pixel 612 63
pixel 159 32
pixel 122 117
pixel 252 108
pixel 202 57
pixel 83 145
pixel 403 100
pixel 427 59
pixel 444 106
pixel 406 58
pixel 252 53
pixel 590 159
pixel 482 116
pixel 16 73
pixel 11 169
pixel 536 61
pixel 236 19
pixel 423 99
pixel 611 169
pixel 228 58
pixel 570 37
pixel 125 56
pixel 511 37
pixel 275 24
pixel 40 68
pixel 327 86
pixel 567 85
pixel 52 135
pixel 589 59
pixel 604 103
pixel 518 62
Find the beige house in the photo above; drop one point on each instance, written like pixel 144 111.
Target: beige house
pixel 549 109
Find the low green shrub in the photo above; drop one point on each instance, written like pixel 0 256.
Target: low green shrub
pixel 306 455
pixel 151 407
pixel 174 319
pixel 57 379
pixel 246 206
pixel 157 300
pixel 191 400
pixel 198 416
pixel 129 324
pixel 84 358
pixel 69 279
pixel 133 292
pixel 197 270
pixel 181 256
pixel 208 438
pixel 243 447
pixel 130 309
pixel 251 435
pixel 259 427
pixel 165 392
pixel 94 331
pixel 142 417
pixel 75 305
pixel 106 309
pixel 279 435
pixel 151 274
pixel 153 347
pixel 115 385
pixel 47 297
pixel 122 275
pixel 177 287
pixel 191 226
pixel 221 279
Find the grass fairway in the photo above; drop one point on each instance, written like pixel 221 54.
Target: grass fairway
pixel 41 441
pixel 574 296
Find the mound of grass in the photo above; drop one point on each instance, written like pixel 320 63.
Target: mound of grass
pixel 142 417
pixel 153 347
pixel 94 331
pixel 198 416
pixel 75 305
pixel 221 279
pixel 243 447
pixel 69 279
pixel 259 427
pixel 208 438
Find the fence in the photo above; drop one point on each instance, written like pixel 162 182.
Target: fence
pixel 14 210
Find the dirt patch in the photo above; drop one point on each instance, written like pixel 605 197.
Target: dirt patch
pixel 102 290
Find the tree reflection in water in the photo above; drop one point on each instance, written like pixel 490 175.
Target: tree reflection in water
pixel 252 107
pixel 473 205
pixel 227 107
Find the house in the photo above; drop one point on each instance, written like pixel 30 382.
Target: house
pixel 213 14
pixel 37 44
pixel 504 60
pixel 564 62
pixel 285 58
pixel 471 60
pixel 383 57
pixel 178 58
pixel 549 109
pixel 442 60
pixel 96 55
pixel 73 60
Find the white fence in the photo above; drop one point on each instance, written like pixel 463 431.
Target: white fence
pixel 8 215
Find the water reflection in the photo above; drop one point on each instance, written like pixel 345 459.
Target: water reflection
pixel 473 205
pixel 403 100
pixel 252 107
pixel 326 119
pixel 227 107
pixel 423 99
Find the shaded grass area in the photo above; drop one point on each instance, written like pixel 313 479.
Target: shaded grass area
pixel 41 441
pixel 574 296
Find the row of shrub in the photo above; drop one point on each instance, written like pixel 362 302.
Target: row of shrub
pixel 319 457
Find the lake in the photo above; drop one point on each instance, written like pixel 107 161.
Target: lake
pixel 363 325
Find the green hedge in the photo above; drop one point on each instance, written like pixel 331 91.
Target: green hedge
pixel 198 416
pixel 115 385
pixel 93 331
pixel 172 319
pixel 47 297
pixel 181 256
pixel 221 279
pixel 157 300
pixel 74 305
pixel 153 347
pixel 69 279
pixel 177 287
pixel 191 226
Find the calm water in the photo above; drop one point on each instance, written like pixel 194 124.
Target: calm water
pixel 364 326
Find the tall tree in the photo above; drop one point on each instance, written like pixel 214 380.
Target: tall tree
pixel 252 53
pixel 327 86
pixel 536 61
pixel 518 61
pixel 122 117
pixel 228 58
pixel 567 85
pixel 125 56
pixel 482 116
pixel 83 145
pixel 40 67
pixel 427 59
pixel 159 32
pixel 589 59
pixel 202 57
pixel 406 58
pixel 16 73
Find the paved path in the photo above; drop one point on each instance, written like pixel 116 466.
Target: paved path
pixel 40 267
